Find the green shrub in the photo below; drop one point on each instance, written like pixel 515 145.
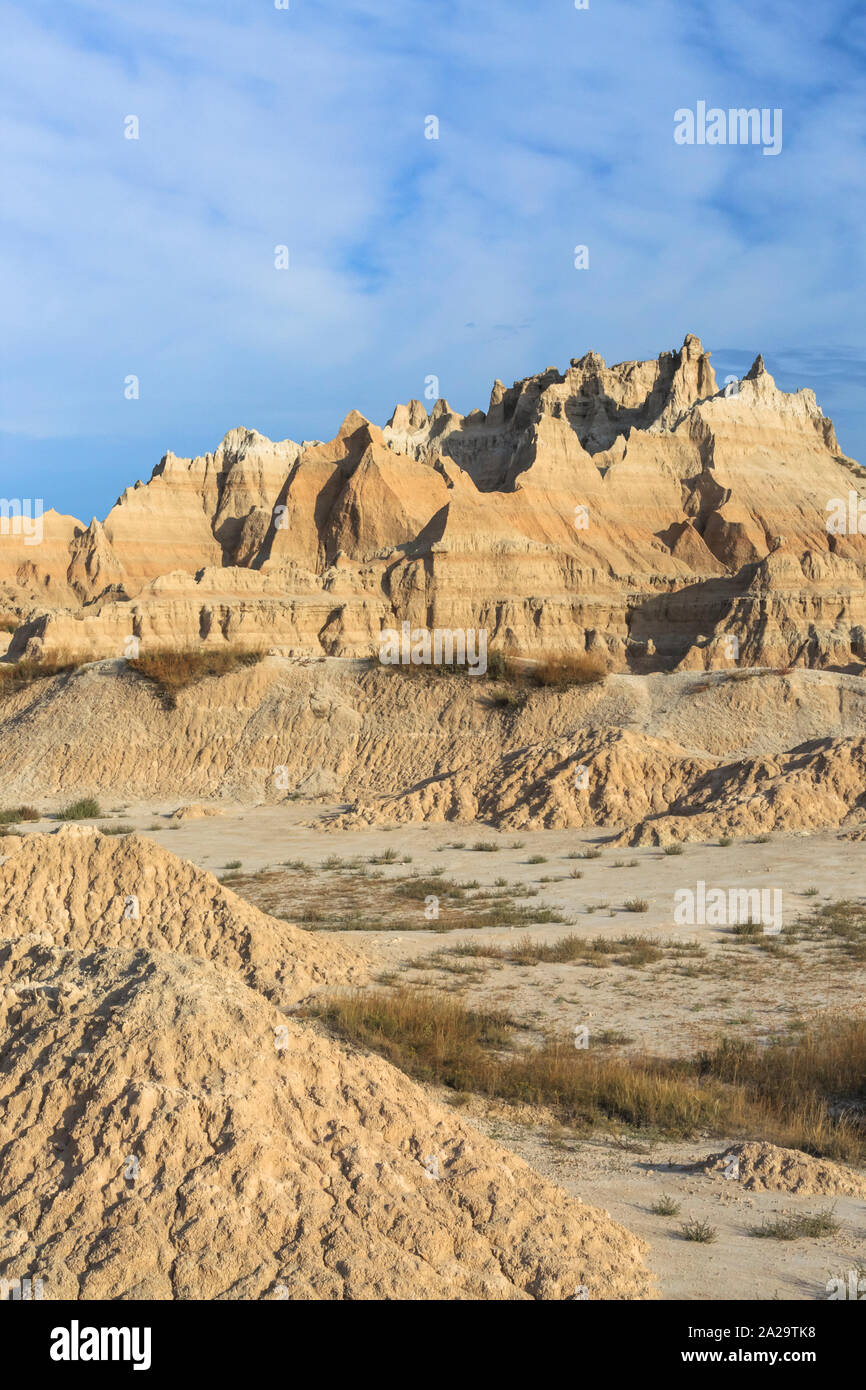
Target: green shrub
pixel 86 808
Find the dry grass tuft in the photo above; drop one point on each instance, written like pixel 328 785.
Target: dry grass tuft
pixel 588 668
pixel 174 671
pixel 782 1094
pixel 17 675
pixel 13 814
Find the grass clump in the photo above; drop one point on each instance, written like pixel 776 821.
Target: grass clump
pixel 174 671
pixel 17 675
pixel 701 1231
pixel 665 1206
pixel 552 670
pixel 801 1227
pixel 748 929
pixel 506 699
pixel 439 1040
pixel 586 668
pixel 86 808
pixel 795 1082
pixel 388 856
pixel 13 814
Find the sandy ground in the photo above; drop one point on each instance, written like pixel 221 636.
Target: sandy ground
pixel 671 1006
pixel 738 1265
pixel 743 991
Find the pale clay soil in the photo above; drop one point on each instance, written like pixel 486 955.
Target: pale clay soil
pixel 744 994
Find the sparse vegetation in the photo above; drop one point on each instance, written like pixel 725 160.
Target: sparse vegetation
pixel 173 671
pixel 665 1206
pixel 799 1227
pixel 556 670
pixel 388 856
pixel 779 1093
pixel 18 675
pixel 587 668
pixel 399 903
pixel 699 1230
pixel 86 808
pixel 840 924
pixel 624 950
pixel 13 814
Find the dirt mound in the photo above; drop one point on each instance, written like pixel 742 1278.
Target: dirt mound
pixel 661 758
pixel 89 891
pixel 765 1168
pixel 816 786
pixel 168 1132
pixel 195 812
pixel 610 778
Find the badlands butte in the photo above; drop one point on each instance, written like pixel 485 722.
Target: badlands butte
pixel 319 1041
pixel 635 518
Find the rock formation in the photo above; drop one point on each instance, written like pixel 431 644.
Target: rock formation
pixel 664 756
pixel 636 509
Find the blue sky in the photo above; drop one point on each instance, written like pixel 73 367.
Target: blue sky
pixel 408 257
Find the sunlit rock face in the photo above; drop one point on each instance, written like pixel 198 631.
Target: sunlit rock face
pixel 637 509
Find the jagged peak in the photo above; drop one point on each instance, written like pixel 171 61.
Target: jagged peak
pixel 757 369
pixel 352 422
pixel 409 417
pixel 589 361
pixel 441 408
